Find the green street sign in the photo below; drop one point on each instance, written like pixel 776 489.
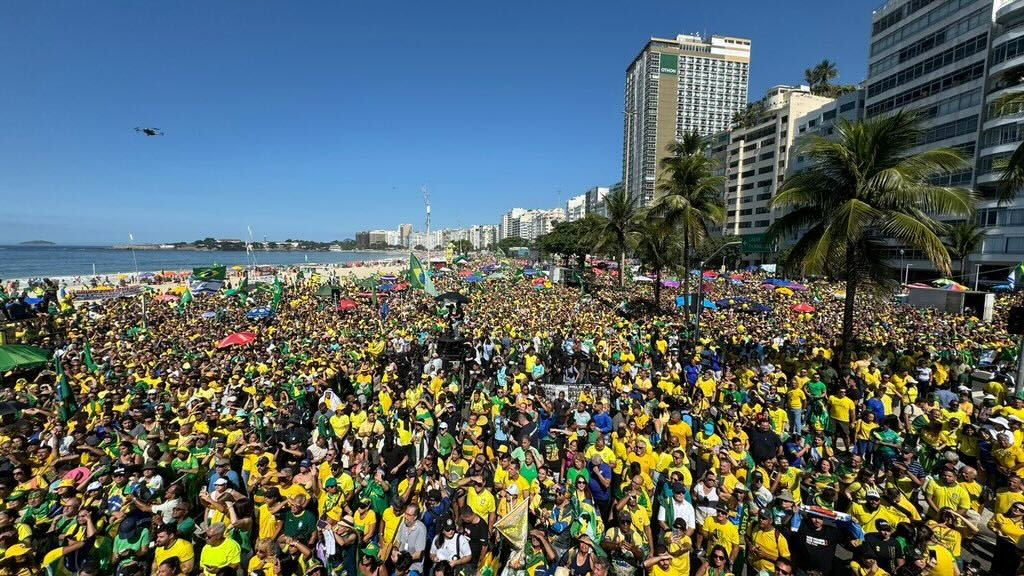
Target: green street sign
pixel 669 64
pixel 754 243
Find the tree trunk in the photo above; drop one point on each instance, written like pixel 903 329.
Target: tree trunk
pixel 851 293
pixel 622 265
pixel 686 277
pixel 657 288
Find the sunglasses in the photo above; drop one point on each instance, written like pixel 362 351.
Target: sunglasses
pixel 718 557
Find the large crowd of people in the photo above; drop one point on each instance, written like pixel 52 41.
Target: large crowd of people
pixel 533 430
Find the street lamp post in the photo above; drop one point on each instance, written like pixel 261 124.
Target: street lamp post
pixel 700 288
pixel 901 259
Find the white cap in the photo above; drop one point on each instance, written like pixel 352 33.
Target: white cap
pixel 513 489
pixel 999 421
pixel 220 482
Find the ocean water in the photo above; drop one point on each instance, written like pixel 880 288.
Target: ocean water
pixel 70 261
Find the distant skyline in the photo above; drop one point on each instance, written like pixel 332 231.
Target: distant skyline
pixel 320 119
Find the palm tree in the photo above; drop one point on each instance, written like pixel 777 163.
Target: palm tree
pixel 612 231
pixel 691 196
pixel 658 244
pixel 961 240
pixel 820 77
pixel 863 188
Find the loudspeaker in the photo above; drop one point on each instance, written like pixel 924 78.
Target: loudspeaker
pixel 1015 321
pixel 451 348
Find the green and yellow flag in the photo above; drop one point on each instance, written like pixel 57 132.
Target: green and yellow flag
pixel 207 273
pixel 67 404
pixel 419 277
pixel 87 358
pixel 186 299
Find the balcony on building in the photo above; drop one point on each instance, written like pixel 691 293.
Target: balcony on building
pixel 1007 10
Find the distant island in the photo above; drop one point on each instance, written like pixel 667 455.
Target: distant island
pixel 237 245
pixel 38 243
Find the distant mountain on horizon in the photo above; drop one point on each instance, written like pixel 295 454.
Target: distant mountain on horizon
pixel 38 243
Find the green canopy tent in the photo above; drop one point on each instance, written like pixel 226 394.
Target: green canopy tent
pixel 21 357
pixel 325 291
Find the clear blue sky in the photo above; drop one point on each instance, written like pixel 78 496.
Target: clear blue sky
pixel 318 119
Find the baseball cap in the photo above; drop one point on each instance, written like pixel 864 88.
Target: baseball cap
pixel 331 482
pixel 872 494
pixel 883 524
pixel 221 482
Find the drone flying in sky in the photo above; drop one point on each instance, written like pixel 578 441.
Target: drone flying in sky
pixel 150 131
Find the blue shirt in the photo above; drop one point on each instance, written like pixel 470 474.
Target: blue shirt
pixel 603 422
pixel 600 492
pixel 232 477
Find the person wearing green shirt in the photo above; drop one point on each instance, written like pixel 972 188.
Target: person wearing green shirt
pixel 445 442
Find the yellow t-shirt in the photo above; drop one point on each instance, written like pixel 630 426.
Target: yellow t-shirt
pixel 841 409
pixel 213 558
pixel 725 534
pixel 771 544
pixel 954 497
pixel 181 549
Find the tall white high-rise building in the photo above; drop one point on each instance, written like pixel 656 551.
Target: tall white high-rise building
pixel 674 87
pixel 576 208
pixel 753 158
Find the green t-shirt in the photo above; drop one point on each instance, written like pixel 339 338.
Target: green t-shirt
pixel 445 444
pixel 299 527
pixel 816 389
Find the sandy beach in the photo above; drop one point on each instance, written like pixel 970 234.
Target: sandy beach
pixel 288 274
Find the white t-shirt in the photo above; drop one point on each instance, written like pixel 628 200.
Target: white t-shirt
pixel 166 510
pixel 451 549
pixel 682 510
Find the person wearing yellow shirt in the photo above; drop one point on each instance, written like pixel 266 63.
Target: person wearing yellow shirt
pixel 1007 497
pixel 479 499
pixel 169 545
pixel 1009 530
pixel 264 558
pixel 390 520
pixel 862 429
pixel 1009 456
pixel 220 551
pixel 718 530
pixel 765 544
pixel 945 492
pixel 707 385
pixel 796 403
pixel 707 442
pixel 778 417
pixel 842 411
pixel 867 566
pixel 646 460
pixel 341 423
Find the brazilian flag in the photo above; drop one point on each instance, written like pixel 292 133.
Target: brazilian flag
pixel 419 278
pixel 67 404
pixel 207 273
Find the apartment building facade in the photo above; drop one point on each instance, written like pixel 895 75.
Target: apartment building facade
pixel 675 86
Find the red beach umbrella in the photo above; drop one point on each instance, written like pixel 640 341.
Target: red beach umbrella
pixel 237 339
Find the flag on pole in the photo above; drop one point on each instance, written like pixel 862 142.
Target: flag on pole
pixel 68 406
pixel 419 277
pixel 513 526
pixel 1016 275
pixel 186 299
pixel 278 292
pixel 243 290
pixel 87 358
